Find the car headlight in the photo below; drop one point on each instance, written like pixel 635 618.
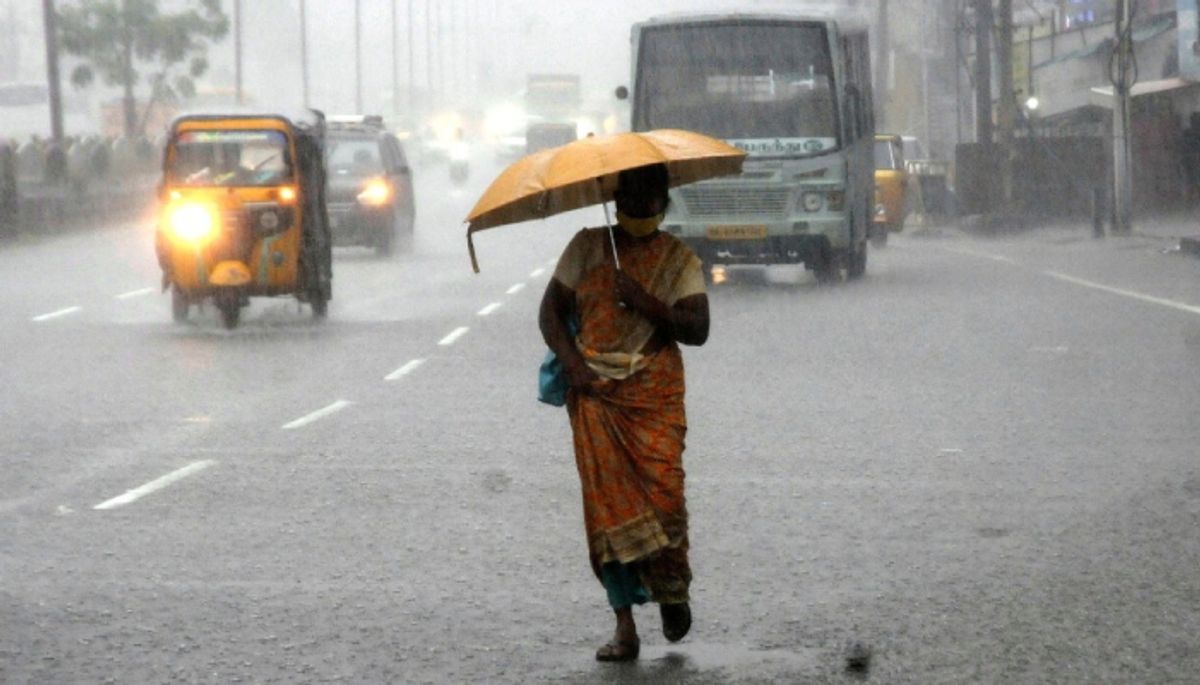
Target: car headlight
pixel 376 192
pixel 192 221
pixel 812 202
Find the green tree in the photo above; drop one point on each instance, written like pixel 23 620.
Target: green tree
pixel 119 39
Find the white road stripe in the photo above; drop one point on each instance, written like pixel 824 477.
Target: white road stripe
pixel 318 414
pixel 537 272
pixel 515 289
pixel 489 309
pixel 157 484
pixel 404 370
pixel 454 335
pixel 1182 306
pixel 55 315
pixel 976 253
pixel 135 293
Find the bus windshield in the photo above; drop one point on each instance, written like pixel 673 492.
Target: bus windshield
pixel 766 87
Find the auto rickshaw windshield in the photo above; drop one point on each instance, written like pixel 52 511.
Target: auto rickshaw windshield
pixel 230 158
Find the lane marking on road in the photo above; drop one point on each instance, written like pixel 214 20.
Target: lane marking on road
pixel 135 293
pixel 404 370
pixel 317 415
pixel 156 484
pixel 537 272
pixel 976 253
pixel 56 314
pixel 515 289
pixel 1055 349
pixel 489 309
pixel 453 336
pixel 1182 306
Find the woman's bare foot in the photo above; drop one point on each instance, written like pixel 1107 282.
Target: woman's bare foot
pixel 625 644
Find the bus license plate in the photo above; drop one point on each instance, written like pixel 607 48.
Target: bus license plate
pixel 737 232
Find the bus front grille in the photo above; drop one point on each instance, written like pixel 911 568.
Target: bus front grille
pixel 708 201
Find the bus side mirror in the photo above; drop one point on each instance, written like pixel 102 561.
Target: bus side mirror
pixel 622 93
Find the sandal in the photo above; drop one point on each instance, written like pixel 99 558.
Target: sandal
pixel 676 620
pixel 619 650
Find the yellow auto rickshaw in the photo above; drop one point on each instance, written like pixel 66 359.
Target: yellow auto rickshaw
pixel 891 187
pixel 242 213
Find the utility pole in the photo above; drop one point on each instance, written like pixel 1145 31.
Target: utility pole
pixel 237 49
pixel 50 21
pixel 1122 82
pixel 304 51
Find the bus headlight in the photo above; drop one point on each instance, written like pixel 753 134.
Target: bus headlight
pixel 837 200
pixel 377 192
pixel 812 202
pixel 192 222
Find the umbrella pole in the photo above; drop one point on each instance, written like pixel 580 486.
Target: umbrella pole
pixel 612 239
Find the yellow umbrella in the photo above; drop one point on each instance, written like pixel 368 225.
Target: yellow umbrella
pixel 584 172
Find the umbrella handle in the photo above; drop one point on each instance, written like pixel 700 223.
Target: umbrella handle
pixel 612 239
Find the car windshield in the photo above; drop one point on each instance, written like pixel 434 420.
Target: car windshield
pixel 230 158
pixel 353 156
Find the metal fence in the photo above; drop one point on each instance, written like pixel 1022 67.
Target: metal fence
pixel 89 182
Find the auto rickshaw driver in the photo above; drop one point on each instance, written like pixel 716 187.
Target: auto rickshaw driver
pixel 244 213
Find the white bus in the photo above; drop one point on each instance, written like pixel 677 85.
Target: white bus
pixel 794 91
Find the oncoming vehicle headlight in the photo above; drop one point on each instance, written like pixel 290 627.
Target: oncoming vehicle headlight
pixel 812 202
pixel 192 222
pixel 375 193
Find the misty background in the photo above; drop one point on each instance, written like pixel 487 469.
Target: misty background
pixel 450 53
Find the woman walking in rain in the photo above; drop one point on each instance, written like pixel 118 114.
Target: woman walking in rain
pixel 626 399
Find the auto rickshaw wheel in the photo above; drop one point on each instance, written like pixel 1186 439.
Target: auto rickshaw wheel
pixel 879 235
pixel 180 304
pixel 230 306
pixel 319 303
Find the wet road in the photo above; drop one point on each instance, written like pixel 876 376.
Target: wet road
pixel 979 462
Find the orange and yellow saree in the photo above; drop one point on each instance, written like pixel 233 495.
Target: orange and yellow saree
pixel 629 433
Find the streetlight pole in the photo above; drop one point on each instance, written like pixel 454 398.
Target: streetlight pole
pixel 1122 84
pixel 304 51
pixel 358 93
pixel 50 21
pixel 412 79
pixel 395 59
pixel 237 49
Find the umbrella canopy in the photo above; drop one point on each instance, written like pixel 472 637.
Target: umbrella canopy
pixel 584 172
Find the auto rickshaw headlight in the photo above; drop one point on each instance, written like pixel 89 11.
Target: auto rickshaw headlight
pixel 376 192
pixel 287 195
pixel 192 222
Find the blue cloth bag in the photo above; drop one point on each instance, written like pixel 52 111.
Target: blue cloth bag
pixel 552 375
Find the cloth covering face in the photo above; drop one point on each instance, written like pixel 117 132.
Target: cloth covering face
pixel 629 435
